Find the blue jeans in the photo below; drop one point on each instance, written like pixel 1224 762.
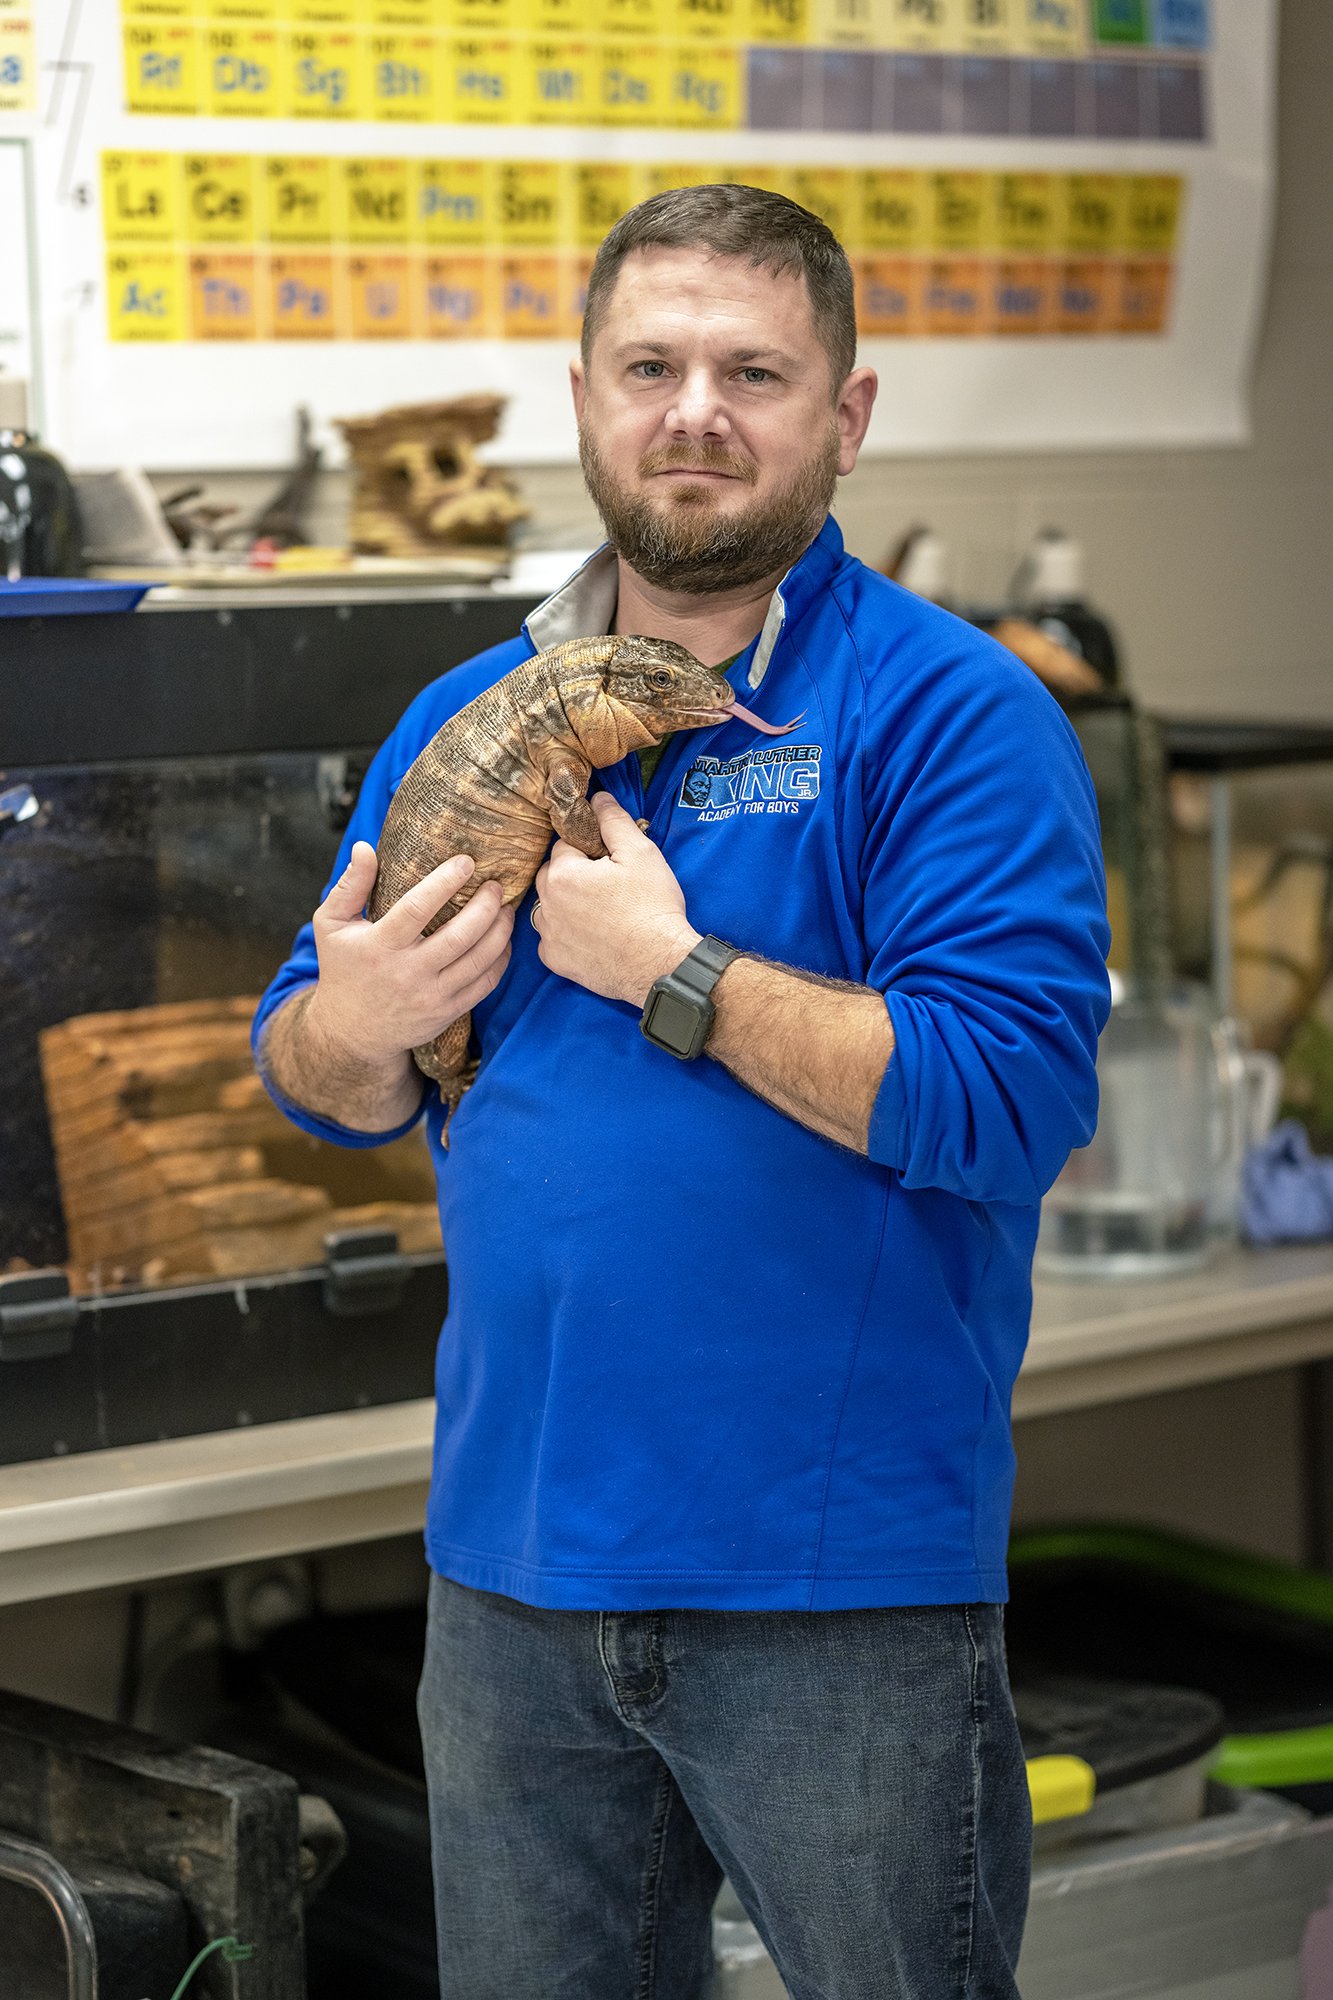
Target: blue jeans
pixel 858 1775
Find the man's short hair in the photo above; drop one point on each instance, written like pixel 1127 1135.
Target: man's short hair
pixel 732 220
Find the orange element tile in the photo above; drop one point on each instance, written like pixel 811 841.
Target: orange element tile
pixel 1087 299
pixel 224 295
pixel 460 297
pixel 1144 304
pixel 1023 292
pixel 958 296
pixel 530 297
pixel 381 296
pixel 890 295
pixel 303 296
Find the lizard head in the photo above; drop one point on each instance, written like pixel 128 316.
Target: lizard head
pixel 650 688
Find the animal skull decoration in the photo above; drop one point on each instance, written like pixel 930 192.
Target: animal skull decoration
pixel 420 487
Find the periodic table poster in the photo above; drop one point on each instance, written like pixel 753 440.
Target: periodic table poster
pixel 1058 211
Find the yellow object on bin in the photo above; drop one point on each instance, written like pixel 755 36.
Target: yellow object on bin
pixel 1061 1787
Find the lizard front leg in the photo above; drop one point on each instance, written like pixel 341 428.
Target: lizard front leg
pixel 567 776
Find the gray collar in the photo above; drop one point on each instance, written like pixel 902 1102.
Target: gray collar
pixel 584 607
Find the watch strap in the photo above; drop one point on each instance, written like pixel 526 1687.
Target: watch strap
pixel 701 969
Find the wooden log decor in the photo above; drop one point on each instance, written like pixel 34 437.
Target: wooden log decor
pixel 171 1155
pixel 420 488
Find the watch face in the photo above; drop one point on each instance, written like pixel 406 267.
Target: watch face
pixel 674 1023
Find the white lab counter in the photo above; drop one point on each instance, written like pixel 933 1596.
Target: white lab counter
pixel 106 1518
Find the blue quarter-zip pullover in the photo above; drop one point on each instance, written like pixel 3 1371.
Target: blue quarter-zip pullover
pixel 695 1354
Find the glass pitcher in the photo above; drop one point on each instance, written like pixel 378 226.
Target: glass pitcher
pixel 1155 1190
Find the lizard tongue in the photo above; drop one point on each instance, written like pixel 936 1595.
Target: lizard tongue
pixel 740 714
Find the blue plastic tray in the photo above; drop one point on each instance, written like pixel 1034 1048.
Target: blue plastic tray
pixel 47 596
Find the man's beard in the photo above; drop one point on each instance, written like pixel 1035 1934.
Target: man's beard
pixel 678 541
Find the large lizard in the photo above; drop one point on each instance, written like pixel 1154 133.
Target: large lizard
pixel 515 763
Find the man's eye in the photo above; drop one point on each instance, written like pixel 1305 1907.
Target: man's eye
pixel 650 370
pixel 757 374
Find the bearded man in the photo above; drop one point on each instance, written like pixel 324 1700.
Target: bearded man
pixel 723 1467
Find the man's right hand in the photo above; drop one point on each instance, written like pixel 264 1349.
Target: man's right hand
pixel 385 988
pixel 341 1048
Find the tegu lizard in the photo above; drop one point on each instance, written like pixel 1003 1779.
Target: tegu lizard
pixel 515 764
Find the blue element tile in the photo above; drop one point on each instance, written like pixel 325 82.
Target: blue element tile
pixel 1181 24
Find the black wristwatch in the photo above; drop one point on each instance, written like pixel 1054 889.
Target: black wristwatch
pixel 678 1013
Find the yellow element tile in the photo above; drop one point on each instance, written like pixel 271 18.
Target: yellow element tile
pixel 159 10
pixel 772 178
pixel 296 200
pixel 453 202
pixel 531 297
pixel 419 16
pixel 989 27
pixel 705 86
pixel 633 85
pixel 1090 210
pixel 382 296
pixel 890 296
pixel 145 295
pixel 243 10
pixel 1151 215
pixel 372 201
pixel 325 13
pixel 896 209
pixel 244 71
pixel 831 193
pixel 323 73
pixel 650 180
pixel 777 20
pixel 603 191
pixel 548 18
pixel 402 77
pixel 18 64
pixel 482 17
pixel 1143 302
pixel 223 295
pixel 917 24
pixel 559 81
pixel 141 198
pixel 219 198
pixel 704 20
pixel 629 20
pixel 849 24
pixel 958 296
pixel 304 292
pixel 480 82
pixel 533 203
pixel 1026 217
pixel 961 212
pixel 1053 27
pixel 163 67
pixel 460 297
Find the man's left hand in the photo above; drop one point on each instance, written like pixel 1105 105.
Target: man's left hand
pixel 617 924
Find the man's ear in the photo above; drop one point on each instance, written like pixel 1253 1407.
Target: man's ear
pixel 578 385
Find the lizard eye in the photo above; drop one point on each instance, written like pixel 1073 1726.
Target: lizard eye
pixel 659 678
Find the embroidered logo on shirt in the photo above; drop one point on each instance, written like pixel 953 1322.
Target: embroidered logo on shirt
pixel 782 779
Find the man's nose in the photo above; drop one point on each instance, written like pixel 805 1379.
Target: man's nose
pixel 699 407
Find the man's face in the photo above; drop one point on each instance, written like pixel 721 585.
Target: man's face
pixel 708 432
